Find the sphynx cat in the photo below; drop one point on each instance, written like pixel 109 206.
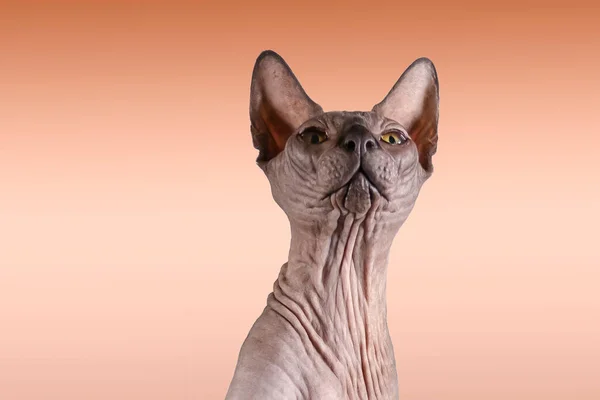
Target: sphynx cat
pixel 346 181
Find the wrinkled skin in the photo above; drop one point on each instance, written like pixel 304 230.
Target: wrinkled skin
pixel 346 188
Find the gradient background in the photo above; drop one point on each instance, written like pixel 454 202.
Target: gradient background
pixel 138 240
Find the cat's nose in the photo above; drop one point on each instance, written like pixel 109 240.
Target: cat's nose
pixel 359 140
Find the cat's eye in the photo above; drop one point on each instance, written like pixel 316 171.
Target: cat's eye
pixel 313 136
pixel 394 137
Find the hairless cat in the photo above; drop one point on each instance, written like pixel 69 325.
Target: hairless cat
pixel 346 181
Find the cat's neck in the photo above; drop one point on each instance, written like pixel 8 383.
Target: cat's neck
pixel 347 253
pixel 333 288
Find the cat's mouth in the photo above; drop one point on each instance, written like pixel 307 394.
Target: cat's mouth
pixel 362 172
pixel 356 195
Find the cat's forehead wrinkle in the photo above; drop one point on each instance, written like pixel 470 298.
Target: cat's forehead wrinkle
pixel 341 121
pixel 357 119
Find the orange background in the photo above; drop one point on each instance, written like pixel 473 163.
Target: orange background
pixel 138 240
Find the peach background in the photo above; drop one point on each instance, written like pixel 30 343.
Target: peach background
pixel 138 240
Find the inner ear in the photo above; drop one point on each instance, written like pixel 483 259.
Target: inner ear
pixel 278 105
pixel 414 103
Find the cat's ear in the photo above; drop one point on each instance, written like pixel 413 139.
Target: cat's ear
pixel 414 102
pixel 278 105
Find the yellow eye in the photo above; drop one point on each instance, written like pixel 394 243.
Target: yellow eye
pixel 394 138
pixel 313 136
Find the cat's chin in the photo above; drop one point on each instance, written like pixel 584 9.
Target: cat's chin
pixel 357 196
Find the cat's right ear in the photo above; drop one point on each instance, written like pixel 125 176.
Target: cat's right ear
pixel 278 105
pixel 414 103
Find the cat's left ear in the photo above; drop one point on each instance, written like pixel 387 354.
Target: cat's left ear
pixel 414 103
pixel 278 105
